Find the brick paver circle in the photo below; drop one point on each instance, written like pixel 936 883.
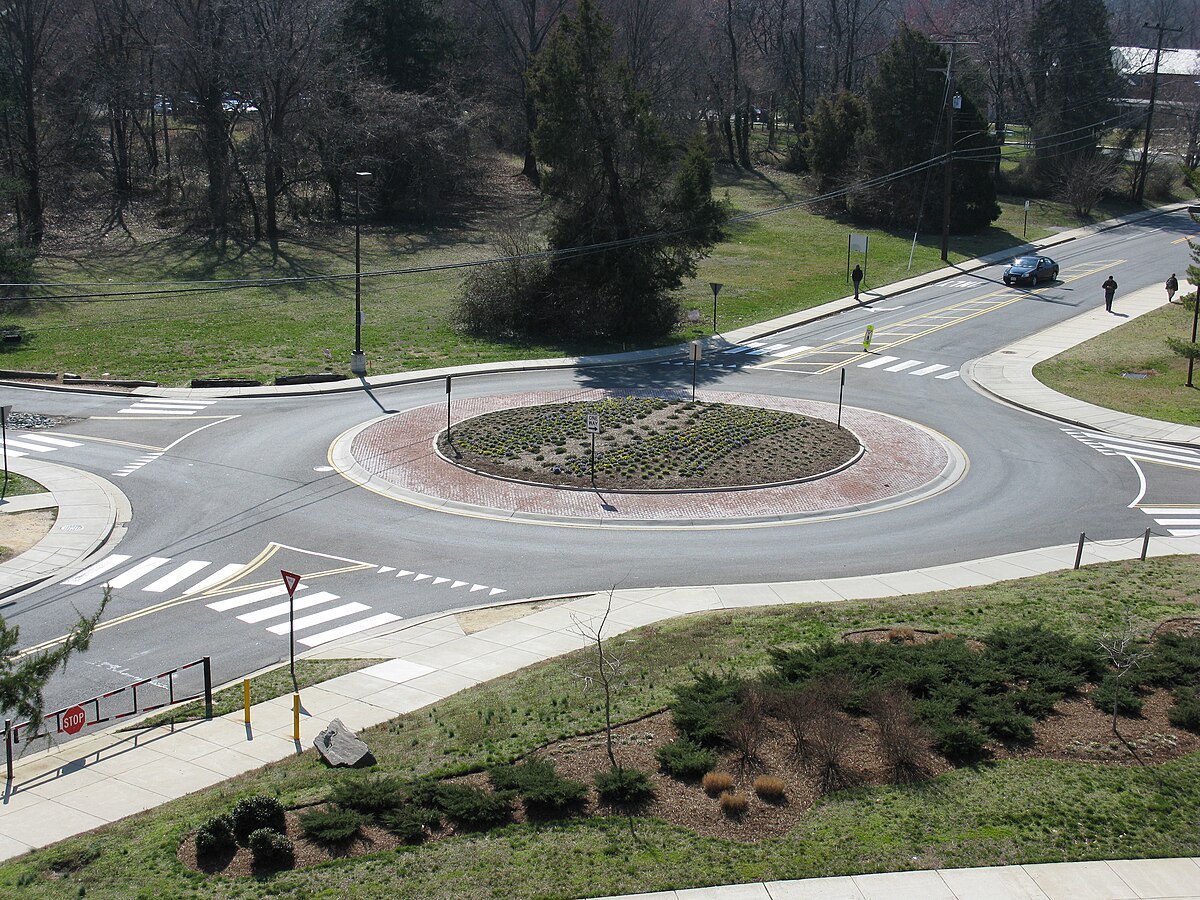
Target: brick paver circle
pixel 395 456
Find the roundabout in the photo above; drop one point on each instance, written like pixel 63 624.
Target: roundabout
pixel 883 462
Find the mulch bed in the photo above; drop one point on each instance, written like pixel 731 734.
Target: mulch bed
pixel 1076 732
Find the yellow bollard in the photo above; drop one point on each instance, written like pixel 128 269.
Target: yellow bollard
pixel 296 718
pixel 246 697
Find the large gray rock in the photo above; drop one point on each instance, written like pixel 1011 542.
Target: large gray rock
pixel 339 747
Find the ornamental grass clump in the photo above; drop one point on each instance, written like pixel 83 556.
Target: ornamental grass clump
pixel 715 783
pixel 734 805
pixel 770 788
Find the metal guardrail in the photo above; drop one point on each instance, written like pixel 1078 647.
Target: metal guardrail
pixel 12 732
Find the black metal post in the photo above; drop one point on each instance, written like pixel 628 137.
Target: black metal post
pixel 357 272
pixel 694 363
pixel 946 179
pixel 292 633
pixel 1191 359
pixel 4 439
pixel 208 710
pixel 841 391
pixel 1079 552
pixel 448 409
pixel 8 747
pixel 1145 544
pixel 593 459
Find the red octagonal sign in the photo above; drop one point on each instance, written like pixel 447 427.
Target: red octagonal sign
pixel 73 719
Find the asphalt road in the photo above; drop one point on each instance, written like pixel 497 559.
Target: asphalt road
pixel 242 481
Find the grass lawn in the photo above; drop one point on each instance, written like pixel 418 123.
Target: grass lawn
pixel 777 264
pixel 1093 371
pixel 19 485
pixel 1016 811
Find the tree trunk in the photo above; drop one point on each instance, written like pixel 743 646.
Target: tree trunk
pixel 530 169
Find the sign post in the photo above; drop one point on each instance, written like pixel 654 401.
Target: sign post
pixel 867 338
pixel 4 411
pixel 593 427
pixel 73 720
pixel 696 353
pixel 841 390
pixel 290 581
pixel 1025 230
pixel 857 243
pixel 448 441
pixel 716 289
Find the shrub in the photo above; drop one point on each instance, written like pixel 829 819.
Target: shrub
pixel 539 785
pixel 270 848
pixel 998 717
pixel 827 749
pixel 1185 712
pixel 702 708
pixel 960 742
pixel 734 804
pixel 686 759
pixel 253 813
pixel 215 836
pixel 474 807
pixel 371 795
pixel 1121 692
pixel 745 727
pixel 409 822
pixel 332 826
pixel 717 782
pixel 1174 661
pixel 902 741
pixel 624 785
pixel 770 788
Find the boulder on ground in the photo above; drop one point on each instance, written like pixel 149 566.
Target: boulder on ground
pixel 340 747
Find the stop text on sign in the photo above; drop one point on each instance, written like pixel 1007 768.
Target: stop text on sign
pixel 73 720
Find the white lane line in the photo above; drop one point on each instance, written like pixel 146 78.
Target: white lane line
pixel 171 401
pixel 109 562
pixel 1170 510
pixel 215 578
pixel 24 445
pixel 281 609
pixel 784 354
pixel 47 439
pixel 738 350
pixel 907 364
pixel 1163 520
pixel 773 347
pixel 947 376
pixel 333 634
pixel 187 570
pixel 928 369
pixel 157 412
pixel 145 567
pixel 1157 456
pixel 882 361
pixel 1184 532
pixel 16 454
pixel 247 599
pixel 327 615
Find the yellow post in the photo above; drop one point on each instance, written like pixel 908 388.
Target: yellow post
pixel 246 697
pixel 296 718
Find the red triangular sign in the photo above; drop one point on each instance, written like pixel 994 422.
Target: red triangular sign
pixel 290 580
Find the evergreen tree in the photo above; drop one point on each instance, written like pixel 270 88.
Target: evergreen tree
pixel 905 126
pixel 1072 78
pixel 831 131
pixel 612 178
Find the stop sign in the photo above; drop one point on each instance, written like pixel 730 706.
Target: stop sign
pixel 73 719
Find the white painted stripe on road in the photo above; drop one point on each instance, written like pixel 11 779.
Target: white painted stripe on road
pixel 1158 456
pixel 171 401
pixel 157 412
pixel 1184 532
pixel 247 599
pixel 928 369
pixel 343 630
pixel 440 580
pixel 109 562
pixel 187 570
pixel 1170 510
pixel 882 361
pixel 907 364
pixel 25 445
pixel 1130 442
pixel 16 454
pixel 793 351
pixel 326 615
pixel 761 350
pixel 145 567
pixel 281 609
pixel 738 350
pixel 478 587
pixel 947 376
pixel 1168 521
pixel 47 439
pixel 215 578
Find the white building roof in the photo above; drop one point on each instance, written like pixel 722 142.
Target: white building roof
pixel 1140 61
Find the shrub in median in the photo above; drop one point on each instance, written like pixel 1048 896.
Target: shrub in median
pixel 686 759
pixel 253 813
pixel 1185 712
pixel 624 785
pixel 474 807
pixel 702 709
pixel 960 742
pixel 372 795
pixel 540 786
pixel 271 849
pixel 215 836
pixel 409 822
pixel 1121 692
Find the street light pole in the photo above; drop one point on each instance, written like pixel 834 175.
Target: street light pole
pixel 1195 322
pixel 358 361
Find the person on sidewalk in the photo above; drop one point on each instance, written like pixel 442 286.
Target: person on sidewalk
pixel 856 276
pixel 1172 287
pixel 1110 291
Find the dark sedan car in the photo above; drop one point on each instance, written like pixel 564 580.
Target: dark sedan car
pixel 1031 270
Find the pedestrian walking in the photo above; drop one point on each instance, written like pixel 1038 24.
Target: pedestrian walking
pixel 856 276
pixel 1110 291
pixel 1172 287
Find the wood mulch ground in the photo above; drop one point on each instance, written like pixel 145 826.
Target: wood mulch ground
pixel 1076 732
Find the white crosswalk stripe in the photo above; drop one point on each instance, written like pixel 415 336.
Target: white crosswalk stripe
pixel 95 571
pixel 165 406
pixel 881 361
pixel 21 443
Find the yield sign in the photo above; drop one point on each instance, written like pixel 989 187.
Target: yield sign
pixel 290 580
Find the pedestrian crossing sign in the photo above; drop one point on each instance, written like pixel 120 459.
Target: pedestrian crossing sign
pixel 867 338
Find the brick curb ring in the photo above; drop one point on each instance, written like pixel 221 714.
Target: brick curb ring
pixel 394 456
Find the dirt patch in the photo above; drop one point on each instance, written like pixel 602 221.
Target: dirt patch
pixel 21 531
pixel 478 619
pixel 903 635
pixel 1075 732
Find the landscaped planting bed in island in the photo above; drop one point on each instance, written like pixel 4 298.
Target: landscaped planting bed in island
pixel 647 443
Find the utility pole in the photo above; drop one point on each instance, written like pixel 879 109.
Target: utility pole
pixel 953 102
pixel 1144 165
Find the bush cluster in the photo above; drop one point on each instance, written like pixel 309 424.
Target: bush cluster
pixel 685 759
pixel 542 789
pixel 332 826
pixel 621 785
pixel 270 849
pixel 215 836
pixel 255 813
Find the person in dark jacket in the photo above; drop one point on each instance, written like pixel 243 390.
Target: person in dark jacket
pixel 1172 287
pixel 856 276
pixel 1110 291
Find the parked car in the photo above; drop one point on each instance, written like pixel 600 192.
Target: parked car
pixel 1031 270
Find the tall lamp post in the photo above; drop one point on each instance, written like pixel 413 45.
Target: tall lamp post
pixel 358 361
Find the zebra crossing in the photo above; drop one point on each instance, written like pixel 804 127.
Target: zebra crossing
pixel 258 605
pixel 34 442
pixel 895 364
pixel 165 406
pixel 1179 520
pixel 756 351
